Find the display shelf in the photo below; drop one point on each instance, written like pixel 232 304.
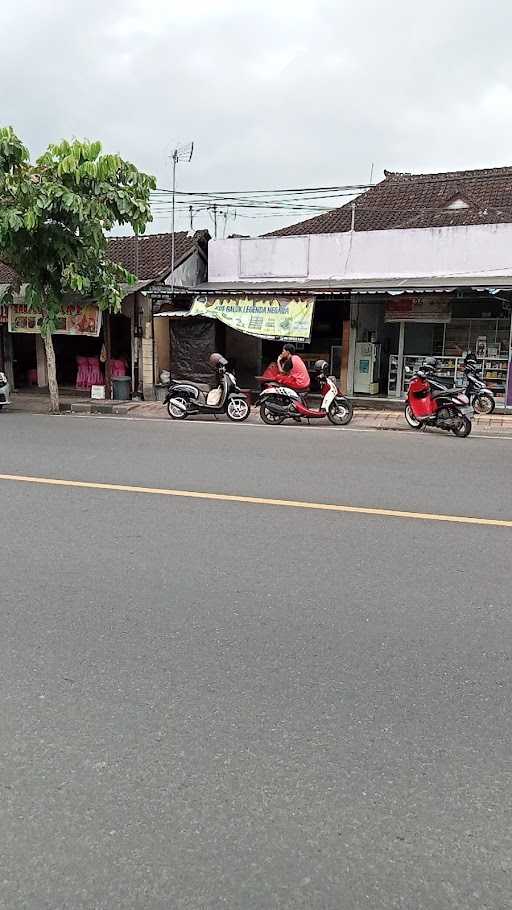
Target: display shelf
pixel 494 374
pixel 493 370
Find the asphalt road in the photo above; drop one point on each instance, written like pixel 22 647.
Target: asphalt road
pixel 212 704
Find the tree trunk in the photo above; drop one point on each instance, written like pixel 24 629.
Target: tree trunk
pixel 108 349
pixel 52 373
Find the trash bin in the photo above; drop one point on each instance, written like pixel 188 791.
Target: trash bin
pixel 161 390
pixel 121 388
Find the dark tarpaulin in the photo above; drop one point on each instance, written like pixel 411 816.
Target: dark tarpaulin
pixel 192 342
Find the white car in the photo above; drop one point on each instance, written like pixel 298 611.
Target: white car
pixel 4 390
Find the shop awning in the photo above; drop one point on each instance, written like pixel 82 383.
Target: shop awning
pixel 391 285
pixel 168 310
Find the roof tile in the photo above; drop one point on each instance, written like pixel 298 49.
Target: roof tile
pixel 403 201
pixel 148 257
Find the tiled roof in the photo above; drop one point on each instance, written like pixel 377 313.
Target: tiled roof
pixel 147 257
pixel 420 201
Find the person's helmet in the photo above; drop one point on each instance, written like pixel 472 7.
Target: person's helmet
pixel 217 360
pixel 321 366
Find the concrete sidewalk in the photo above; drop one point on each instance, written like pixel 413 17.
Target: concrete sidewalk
pixel 364 418
pixel 496 424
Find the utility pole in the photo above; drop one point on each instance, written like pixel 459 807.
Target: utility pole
pixel 191 214
pixel 215 221
pixel 180 153
pixel 353 217
pixel 173 244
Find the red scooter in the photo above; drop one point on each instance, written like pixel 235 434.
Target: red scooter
pixel 429 403
pixel 278 403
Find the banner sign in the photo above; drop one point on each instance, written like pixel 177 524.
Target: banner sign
pixel 272 318
pixel 428 308
pixel 76 319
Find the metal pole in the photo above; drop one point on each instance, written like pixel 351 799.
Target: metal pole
pixel 174 161
pixel 353 218
pixel 215 221
pixel 400 365
pixel 508 386
pixel 191 213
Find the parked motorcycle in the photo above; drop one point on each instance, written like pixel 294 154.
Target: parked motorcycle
pixel 429 403
pixel 278 403
pixel 4 390
pixel 481 397
pixel 185 399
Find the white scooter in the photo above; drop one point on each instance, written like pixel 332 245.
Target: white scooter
pixel 278 403
pixel 185 399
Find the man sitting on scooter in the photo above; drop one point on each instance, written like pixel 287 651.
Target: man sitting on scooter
pixel 292 369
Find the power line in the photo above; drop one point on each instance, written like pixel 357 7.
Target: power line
pixel 271 192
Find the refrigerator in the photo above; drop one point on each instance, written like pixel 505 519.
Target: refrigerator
pixel 367 368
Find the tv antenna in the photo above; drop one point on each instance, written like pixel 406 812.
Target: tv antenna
pixel 181 153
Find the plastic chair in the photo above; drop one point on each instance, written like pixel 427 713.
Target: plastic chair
pixel 95 376
pixel 82 373
pixel 118 368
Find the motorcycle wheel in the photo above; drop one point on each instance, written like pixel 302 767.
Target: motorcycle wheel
pixel 484 404
pixel 464 427
pixel 340 412
pixel 238 409
pixel 413 421
pixel 267 416
pixel 176 412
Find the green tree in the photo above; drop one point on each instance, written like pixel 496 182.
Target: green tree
pixel 54 215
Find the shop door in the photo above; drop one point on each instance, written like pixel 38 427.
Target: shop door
pixel 24 359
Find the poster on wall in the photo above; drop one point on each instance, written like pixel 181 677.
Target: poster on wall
pixel 427 308
pixel 481 347
pixel 76 319
pixel 272 318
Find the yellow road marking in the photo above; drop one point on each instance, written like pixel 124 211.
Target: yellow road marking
pixel 258 500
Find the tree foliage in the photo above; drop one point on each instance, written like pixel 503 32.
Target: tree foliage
pixel 54 215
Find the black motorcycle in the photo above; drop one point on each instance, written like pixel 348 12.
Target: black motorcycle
pixel 184 399
pixel 481 397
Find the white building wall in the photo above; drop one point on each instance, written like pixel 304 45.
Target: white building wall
pixel 477 250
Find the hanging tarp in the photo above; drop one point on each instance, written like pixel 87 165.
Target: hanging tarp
pixel 272 318
pixel 192 342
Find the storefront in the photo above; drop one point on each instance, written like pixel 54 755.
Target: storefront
pixel 250 328
pixel 79 343
pixel 405 328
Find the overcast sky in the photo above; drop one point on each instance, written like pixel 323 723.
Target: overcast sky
pixel 275 93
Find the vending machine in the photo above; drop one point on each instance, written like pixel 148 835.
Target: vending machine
pixel 367 368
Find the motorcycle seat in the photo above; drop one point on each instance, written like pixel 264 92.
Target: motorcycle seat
pixel 442 393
